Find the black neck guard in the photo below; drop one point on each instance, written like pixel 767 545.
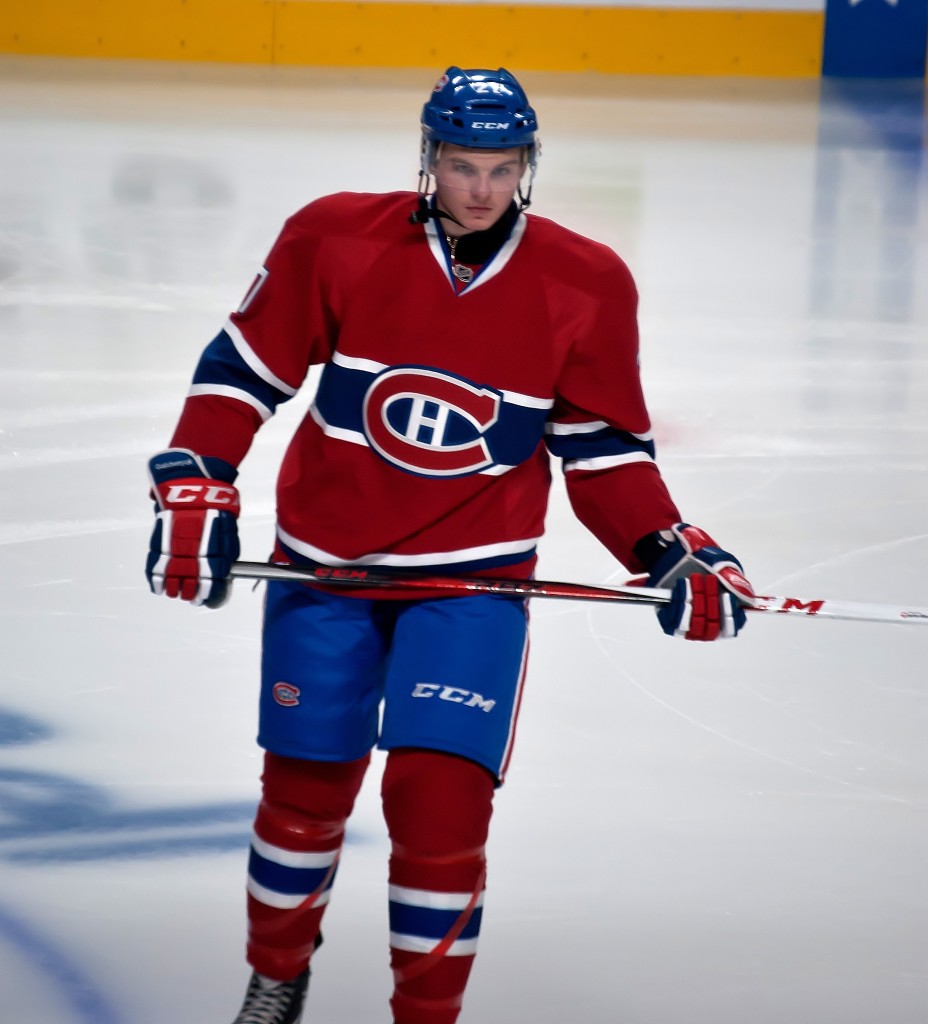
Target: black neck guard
pixel 480 247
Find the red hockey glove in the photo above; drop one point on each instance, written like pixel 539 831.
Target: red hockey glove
pixel 709 590
pixel 195 539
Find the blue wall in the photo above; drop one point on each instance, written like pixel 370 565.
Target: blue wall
pixel 875 38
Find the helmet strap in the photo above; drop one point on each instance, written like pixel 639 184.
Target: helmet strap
pixel 423 212
pixel 525 198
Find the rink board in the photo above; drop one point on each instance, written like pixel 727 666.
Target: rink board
pixel 616 40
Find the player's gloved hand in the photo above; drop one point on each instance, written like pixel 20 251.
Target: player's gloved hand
pixel 709 589
pixel 195 539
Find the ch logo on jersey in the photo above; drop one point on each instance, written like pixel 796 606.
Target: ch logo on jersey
pixel 430 423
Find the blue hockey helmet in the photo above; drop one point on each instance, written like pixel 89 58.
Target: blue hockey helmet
pixel 478 109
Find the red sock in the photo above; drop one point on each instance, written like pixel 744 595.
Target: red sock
pixel 299 831
pixel 437 809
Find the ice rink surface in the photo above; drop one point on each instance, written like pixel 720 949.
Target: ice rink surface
pixel 690 834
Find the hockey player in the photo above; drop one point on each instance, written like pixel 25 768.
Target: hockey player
pixel 463 343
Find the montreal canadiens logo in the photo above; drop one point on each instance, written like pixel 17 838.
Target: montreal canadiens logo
pixel 430 423
pixel 286 694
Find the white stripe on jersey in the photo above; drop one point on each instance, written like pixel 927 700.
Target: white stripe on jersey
pixel 605 462
pixel 225 391
pixel 254 363
pixel 589 428
pixel 340 433
pixel 575 428
pixel 357 363
pixel 527 401
pixel 515 547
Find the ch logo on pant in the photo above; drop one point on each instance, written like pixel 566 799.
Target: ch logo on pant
pixel 286 694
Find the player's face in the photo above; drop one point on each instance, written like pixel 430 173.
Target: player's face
pixel 476 186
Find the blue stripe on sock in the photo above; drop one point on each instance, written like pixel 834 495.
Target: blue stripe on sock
pixel 283 879
pixel 431 924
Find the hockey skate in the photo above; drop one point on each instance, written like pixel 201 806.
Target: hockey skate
pixel 273 1002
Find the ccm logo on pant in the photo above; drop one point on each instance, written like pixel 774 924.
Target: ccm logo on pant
pixel 454 695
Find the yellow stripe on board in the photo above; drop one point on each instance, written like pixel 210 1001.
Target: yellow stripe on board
pixel 616 40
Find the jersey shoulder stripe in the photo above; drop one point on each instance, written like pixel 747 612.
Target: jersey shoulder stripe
pixel 229 368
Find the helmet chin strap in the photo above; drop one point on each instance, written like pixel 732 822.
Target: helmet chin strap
pixel 424 213
pixel 526 199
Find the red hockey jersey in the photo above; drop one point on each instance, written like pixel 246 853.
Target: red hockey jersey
pixel 427 444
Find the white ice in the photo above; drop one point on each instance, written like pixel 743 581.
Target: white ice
pixel 711 834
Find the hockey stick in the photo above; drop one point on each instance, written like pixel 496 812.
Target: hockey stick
pixel 358 576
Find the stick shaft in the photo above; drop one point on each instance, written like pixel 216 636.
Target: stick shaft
pixel 359 576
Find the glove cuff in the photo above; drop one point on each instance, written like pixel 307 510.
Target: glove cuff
pixel 654 546
pixel 181 463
